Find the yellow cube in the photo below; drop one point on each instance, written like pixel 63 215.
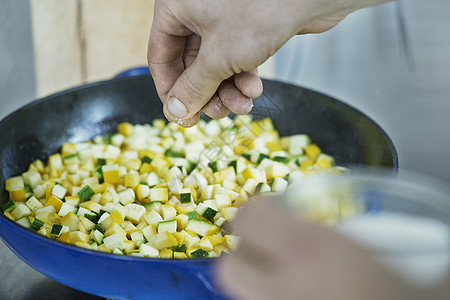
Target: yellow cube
pixel 55 201
pixel 167 253
pixel 17 195
pixel 146 168
pixel 131 180
pixel 179 255
pixel 126 129
pixel 111 174
pixel 323 164
pixel 313 151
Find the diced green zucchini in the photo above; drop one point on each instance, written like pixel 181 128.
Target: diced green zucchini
pixel 86 193
pixel 169 226
pixel 191 166
pixel 261 157
pixel 93 217
pixel 57 229
pixel 146 159
pixel 262 188
pixel 192 215
pixel 72 159
pixel 37 224
pixel 101 161
pixel 99 228
pixel 200 227
pixel 199 253
pixel 154 205
pixel 281 159
pixel 185 197
pixel 153 179
pixel 97 236
pixel 98 172
pixel 179 248
pixel 214 166
pixel 247 156
pixel 9 206
pixel 171 153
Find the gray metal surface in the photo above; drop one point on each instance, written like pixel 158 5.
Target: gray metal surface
pixel 18 281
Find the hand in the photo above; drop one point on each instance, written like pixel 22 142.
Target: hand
pixel 281 258
pixel 203 54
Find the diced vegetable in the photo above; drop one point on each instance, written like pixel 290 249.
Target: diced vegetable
pixel 159 190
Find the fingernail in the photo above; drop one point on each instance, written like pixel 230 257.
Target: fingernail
pixel 176 108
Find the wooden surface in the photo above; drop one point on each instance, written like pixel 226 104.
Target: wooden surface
pixel 78 41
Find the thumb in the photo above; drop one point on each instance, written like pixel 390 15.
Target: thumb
pixel 191 91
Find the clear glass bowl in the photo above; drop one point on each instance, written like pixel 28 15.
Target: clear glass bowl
pixel 404 220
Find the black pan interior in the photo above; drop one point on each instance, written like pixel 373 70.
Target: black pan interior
pixel 40 128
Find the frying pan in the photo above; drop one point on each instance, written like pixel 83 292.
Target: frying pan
pixel 40 128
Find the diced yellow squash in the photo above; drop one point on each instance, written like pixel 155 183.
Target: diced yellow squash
pixel 131 180
pixel 78 236
pixel 111 174
pixel 323 164
pixel 14 183
pixel 103 248
pixel 55 201
pixel 164 240
pixel 313 151
pixel 179 255
pixel 126 129
pixel 17 195
pixel 166 253
pixel 231 241
pixel 70 220
pixel 68 149
pixel 65 237
pixel 159 194
pixel 306 163
pixel 215 240
pixel 146 168
pixel 205 244
pixel 168 212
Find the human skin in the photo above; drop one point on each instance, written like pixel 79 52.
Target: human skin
pixel 203 54
pixel 280 257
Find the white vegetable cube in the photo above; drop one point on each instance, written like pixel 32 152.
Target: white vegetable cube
pixel 159 194
pixel 59 191
pixel 231 241
pixel 277 170
pixel 81 211
pixel 229 212
pixel 149 232
pixel 65 209
pixel 153 218
pixel 126 196
pixel 297 143
pixel 250 185
pixel 207 192
pixel 153 179
pixel 114 241
pixel 103 217
pixel 122 210
pixel 20 211
pixel 296 176
pixel 135 212
pixel 136 236
pixel 88 224
pixel 205 244
pixel 279 185
pixel 168 212
pixel 148 251
pixel 223 200
pixel 175 186
pixel 97 236
pixel 182 221
pixel 32 178
pixel 33 203
pixel 190 241
pixel 142 191
pixel 39 191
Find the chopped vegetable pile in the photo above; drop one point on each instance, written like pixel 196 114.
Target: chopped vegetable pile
pixel 160 190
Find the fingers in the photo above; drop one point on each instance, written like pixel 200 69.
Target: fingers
pixel 249 83
pixel 215 108
pixel 233 98
pixel 165 52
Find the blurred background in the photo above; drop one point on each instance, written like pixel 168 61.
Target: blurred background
pixel 391 62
